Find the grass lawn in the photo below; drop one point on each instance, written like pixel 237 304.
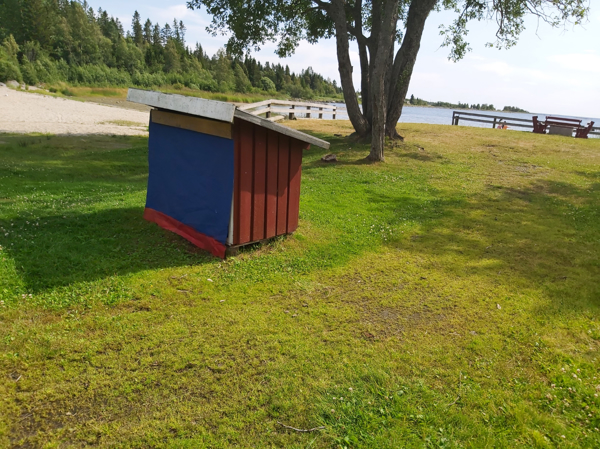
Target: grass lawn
pixel 447 298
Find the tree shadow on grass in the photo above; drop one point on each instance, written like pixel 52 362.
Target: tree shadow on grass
pixel 546 235
pixel 56 251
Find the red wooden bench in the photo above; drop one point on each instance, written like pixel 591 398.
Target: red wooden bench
pixel 582 133
pixel 538 126
pixel 561 122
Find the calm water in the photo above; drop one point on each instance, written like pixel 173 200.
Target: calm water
pixel 443 116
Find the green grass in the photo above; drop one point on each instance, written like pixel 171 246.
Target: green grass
pixel 447 298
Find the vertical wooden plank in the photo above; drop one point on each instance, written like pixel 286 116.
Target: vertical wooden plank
pixel 296 148
pixel 260 181
pixel 272 172
pixel 246 138
pixel 283 170
pixel 236 181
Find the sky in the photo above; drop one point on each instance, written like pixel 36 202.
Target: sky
pixel 554 71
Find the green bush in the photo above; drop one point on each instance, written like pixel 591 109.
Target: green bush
pixel 297 91
pixel 98 75
pixel 10 71
pixel 267 84
pixel 67 93
pixel 178 86
pixel 29 73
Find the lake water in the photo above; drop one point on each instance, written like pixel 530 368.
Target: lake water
pixel 443 116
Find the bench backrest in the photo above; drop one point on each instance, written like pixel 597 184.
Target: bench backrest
pixel 562 121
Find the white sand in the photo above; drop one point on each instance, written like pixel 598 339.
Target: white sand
pixel 22 112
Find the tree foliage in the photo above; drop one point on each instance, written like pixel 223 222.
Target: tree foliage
pixel 388 35
pixel 49 41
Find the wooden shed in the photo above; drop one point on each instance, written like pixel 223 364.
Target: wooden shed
pixel 220 177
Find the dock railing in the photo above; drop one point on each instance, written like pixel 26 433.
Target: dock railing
pixel 292 109
pixel 494 120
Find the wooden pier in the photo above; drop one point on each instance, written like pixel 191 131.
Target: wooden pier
pixel 291 109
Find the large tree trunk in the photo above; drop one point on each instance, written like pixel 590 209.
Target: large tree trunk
pixel 338 14
pixel 365 91
pixel 383 35
pixel 405 61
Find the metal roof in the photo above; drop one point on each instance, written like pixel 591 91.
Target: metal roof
pixel 215 110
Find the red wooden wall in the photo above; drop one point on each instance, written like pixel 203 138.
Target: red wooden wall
pixel 266 187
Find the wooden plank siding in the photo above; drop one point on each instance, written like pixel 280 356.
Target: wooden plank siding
pixel 268 169
pixel 283 172
pixel 260 184
pixel 244 168
pixel 296 148
pixel 271 202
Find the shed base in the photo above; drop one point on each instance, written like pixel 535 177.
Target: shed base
pixel 203 241
pixel 233 250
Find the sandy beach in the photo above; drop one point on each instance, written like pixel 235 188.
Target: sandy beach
pixel 23 112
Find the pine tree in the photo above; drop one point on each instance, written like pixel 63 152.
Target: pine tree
pixel 182 33
pixel 137 30
pixel 172 62
pixel 148 31
pixel 166 34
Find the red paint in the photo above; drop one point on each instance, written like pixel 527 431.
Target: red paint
pixel 296 148
pixel 272 172
pixel 246 161
pixel 197 238
pixel 282 184
pixel 260 181
pixel 267 172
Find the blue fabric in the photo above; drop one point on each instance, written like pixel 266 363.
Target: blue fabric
pixel 191 178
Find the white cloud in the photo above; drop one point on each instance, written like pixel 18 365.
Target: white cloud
pixel 578 62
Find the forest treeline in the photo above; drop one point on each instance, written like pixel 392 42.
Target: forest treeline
pixel 52 41
pixel 414 101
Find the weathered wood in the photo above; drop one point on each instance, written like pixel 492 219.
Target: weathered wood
pixel 192 123
pixel 216 110
pixel 514 119
pixel 489 121
pixel 320 113
pixel 292 115
pixel 308 113
pixel 248 106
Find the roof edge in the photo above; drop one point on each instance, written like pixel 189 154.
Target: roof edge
pixel 216 110
pixel 242 115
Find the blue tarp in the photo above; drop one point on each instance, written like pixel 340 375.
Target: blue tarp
pixel 191 178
